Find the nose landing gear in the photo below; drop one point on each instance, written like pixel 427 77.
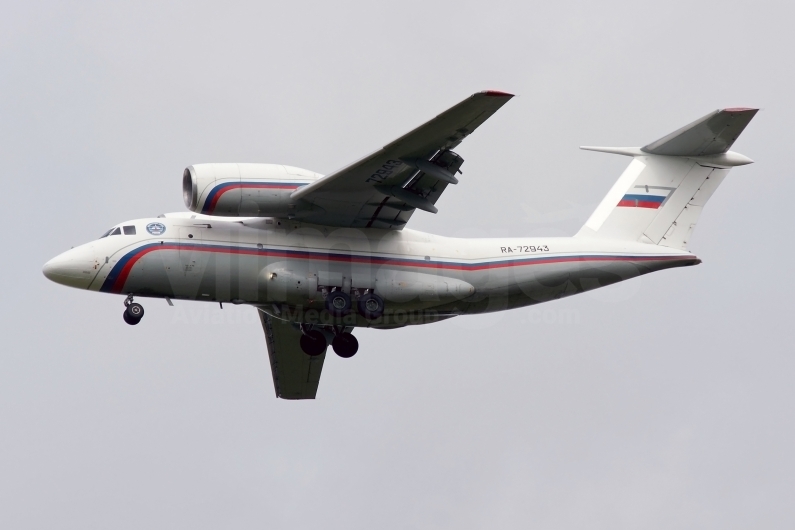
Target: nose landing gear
pixel 133 312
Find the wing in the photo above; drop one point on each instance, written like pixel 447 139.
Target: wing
pixel 295 374
pixel 383 189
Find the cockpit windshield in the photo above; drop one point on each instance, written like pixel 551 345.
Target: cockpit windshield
pixel 112 232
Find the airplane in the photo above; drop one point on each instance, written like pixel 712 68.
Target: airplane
pixel 319 256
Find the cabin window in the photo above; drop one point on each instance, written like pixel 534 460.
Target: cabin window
pixel 116 231
pixel 129 230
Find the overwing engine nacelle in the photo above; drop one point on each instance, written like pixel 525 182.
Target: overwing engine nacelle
pixel 246 190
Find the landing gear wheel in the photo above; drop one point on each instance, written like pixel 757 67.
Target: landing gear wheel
pixel 135 310
pixel 338 303
pixel 371 306
pixel 313 343
pixel 345 345
pixel 133 313
pixel 130 320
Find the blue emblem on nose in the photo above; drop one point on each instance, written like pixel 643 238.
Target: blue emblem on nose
pixel 156 229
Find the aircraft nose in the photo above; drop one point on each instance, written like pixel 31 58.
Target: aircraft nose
pixel 73 268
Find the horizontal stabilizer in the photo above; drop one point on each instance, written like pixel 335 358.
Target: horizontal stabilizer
pixel 711 135
pixel 626 151
pixel 727 159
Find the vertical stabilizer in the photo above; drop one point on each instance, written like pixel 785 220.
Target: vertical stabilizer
pixel 660 195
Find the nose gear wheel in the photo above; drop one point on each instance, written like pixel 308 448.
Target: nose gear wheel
pixel 133 312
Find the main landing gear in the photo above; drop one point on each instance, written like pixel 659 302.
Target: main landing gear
pixel 313 342
pixel 345 345
pixel 133 312
pixel 338 303
pixel 369 305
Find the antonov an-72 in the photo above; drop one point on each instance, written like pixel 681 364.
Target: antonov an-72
pixel 318 256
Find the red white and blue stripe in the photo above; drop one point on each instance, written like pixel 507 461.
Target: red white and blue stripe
pixel 217 192
pixel 118 275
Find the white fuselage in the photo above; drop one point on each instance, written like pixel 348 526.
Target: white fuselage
pixel 321 255
pixel 286 267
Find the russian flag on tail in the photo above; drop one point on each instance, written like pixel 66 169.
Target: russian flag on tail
pixel 645 197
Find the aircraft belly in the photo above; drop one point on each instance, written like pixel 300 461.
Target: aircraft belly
pixel 520 287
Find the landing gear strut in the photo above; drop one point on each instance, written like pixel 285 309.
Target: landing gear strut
pixel 133 312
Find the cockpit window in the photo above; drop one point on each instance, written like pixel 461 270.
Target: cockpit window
pixel 129 230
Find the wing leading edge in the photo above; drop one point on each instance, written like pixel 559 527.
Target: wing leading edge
pixel 383 189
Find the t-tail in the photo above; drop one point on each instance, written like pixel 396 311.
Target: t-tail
pixel 659 197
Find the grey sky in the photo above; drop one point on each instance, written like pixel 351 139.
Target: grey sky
pixel 662 402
